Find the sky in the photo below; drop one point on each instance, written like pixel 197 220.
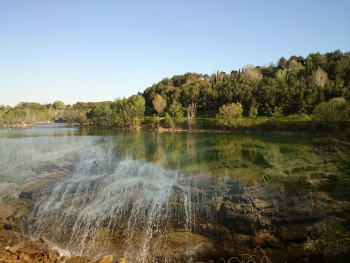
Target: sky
pixel 84 50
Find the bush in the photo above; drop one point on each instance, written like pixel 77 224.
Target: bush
pixel 336 109
pixel 230 114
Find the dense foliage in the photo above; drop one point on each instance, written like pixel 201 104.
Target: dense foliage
pixel 318 84
pixel 294 86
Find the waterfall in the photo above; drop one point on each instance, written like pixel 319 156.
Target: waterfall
pixel 108 198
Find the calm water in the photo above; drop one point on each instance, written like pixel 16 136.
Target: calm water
pixel 184 197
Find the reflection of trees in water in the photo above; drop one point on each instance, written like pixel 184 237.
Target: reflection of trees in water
pixel 191 145
pixel 203 152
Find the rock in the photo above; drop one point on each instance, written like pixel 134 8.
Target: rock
pixel 24 258
pixel 52 256
pixel 294 232
pixel 10 210
pixel 78 260
pixel 106 259
pixel 261 204
pixel 265 238
pixel 16 247
pixel 8 225
pixel 26 195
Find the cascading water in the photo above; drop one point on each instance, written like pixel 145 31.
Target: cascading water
pixel 109 198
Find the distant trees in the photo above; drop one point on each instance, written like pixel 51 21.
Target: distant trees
pixel 122 113
pixel 319 84
pixel 25 113
pixel 291 86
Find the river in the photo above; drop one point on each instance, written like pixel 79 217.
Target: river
pixel 182 197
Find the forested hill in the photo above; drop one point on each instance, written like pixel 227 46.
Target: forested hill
pixel 294 85
pixel 319 84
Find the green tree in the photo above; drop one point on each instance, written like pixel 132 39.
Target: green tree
pixel 295 66
pixel 229 114
pixel 253 113
pixel 129 111
pixel 58 105
pixel 159 103
pixel 102 114
pixel 282 63
pixel 176 111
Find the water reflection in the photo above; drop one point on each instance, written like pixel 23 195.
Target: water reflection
pixel 237 156
pixel 225 193
pixel 41 130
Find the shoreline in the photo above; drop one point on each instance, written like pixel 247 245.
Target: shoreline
pixel 275 127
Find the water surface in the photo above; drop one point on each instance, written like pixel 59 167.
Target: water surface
pixel 181 197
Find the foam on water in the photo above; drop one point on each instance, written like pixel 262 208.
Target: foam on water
pixel 107 196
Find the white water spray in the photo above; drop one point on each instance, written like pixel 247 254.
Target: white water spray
pixel 108 198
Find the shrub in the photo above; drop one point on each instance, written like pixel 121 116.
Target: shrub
pixel 230 114
pixel 336 109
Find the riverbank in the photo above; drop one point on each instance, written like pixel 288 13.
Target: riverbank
pixel 275 127
pixel 282 126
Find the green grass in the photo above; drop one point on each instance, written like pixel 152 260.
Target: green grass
pixel 8 199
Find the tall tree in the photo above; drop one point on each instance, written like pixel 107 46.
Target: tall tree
pixel 319 77
pixel 159 103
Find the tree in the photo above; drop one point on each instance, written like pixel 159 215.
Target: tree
pixel 318 78
pixel 229 114
pixel 159 103
pixel 295 66
pixel 190 98
pixel 252 75
pixel 58 105
pixel 253 113
pixel 282 63
pixel 281 75
pixel 175 109
pixel 129 111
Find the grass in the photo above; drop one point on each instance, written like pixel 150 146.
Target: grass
pixel 8 200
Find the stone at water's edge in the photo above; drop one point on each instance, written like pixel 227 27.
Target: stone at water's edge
pixel 16 248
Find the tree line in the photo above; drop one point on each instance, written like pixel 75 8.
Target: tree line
pixel 315 85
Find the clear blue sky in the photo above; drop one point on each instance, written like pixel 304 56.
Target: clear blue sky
pixel 84 50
